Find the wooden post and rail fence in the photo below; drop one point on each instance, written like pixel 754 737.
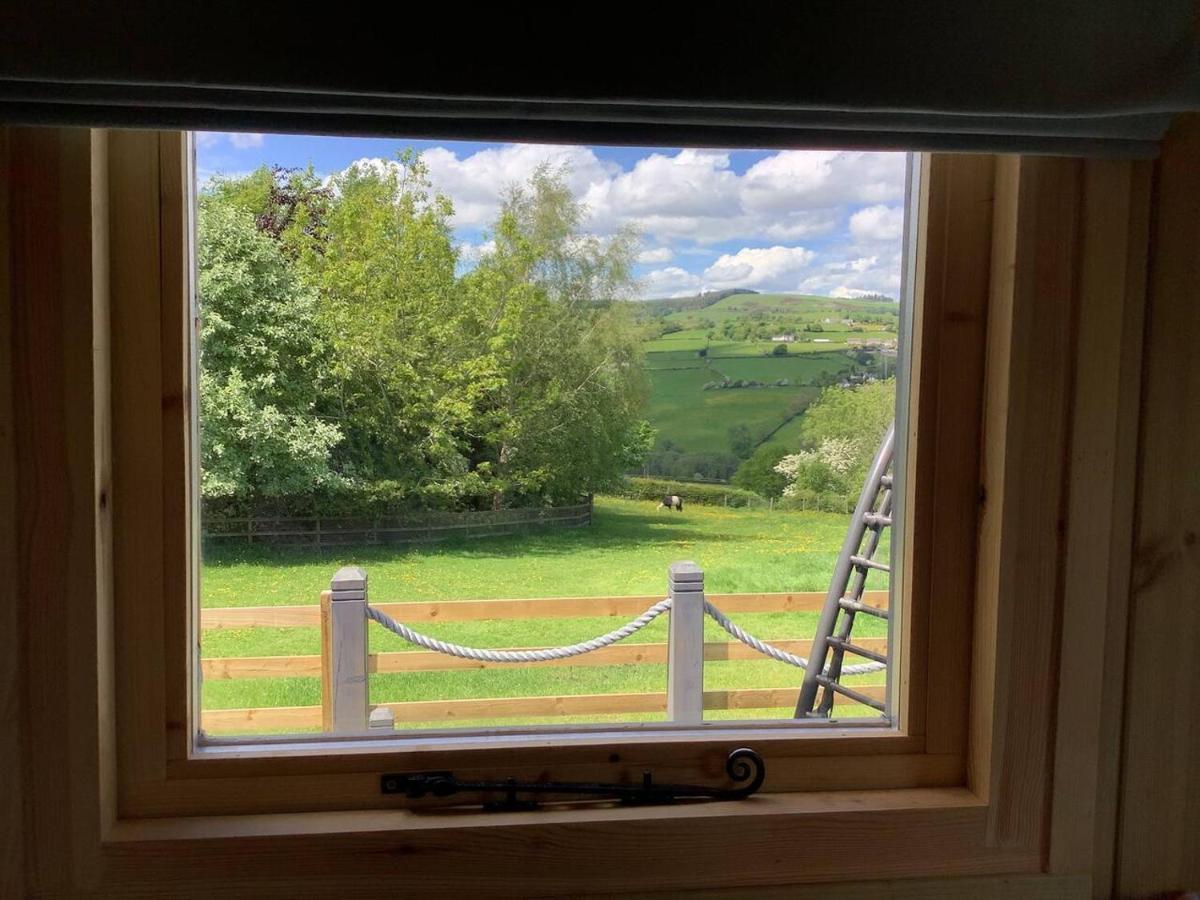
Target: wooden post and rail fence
pixel 413 528
pixel 345 662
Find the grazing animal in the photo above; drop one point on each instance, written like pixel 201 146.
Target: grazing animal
pixel 671 501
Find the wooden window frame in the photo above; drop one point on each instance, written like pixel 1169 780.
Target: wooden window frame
pixel 964 788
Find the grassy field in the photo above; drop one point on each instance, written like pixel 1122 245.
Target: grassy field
pixel 695 419
pixel 625 551
pixel 698 421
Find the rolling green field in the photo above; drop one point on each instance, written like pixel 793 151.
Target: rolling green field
pixel 694 418
pixel 698 421
pixel 625 551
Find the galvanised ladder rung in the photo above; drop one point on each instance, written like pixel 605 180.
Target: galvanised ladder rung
pixel 860 651
pixel 857 606
pixel 865 563
pixel 877 520
pixel 885 480
pixel 854 695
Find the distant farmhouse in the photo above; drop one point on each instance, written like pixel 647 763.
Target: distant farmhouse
pixel 788 338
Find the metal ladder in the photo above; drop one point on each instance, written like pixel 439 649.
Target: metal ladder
pixel 833 638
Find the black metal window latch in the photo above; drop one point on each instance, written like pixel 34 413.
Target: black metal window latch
pixel 743 766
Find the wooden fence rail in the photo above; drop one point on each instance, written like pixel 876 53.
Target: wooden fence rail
pixel 226 668
pixel 545 608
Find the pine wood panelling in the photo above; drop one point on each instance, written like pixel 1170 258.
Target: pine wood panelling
pixel 1027 402
pixel 1159 826
pixel 57 233
pixel 1111 294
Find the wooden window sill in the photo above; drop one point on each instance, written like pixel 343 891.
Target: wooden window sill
pixel 770 838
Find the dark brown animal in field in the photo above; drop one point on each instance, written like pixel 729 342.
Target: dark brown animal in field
pixel 671 501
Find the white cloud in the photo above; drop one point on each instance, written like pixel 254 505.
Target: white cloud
pixel 685 201
pixel 878 223
pixel 239 140
pixel 771 268
pixel 670 282
pixel 477 183
pixel 801 179
pixel 853 275
pixel 472 253
pixel 244 140
pixel 687 195
pixel 657 255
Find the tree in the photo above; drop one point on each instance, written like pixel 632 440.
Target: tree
pixel 290 205
pixel 779 349
pixel 565 407
pixel 741 441
pixel 404 371
pixel 758 473
pixel 518 382
pixel 260 364
pixel 840 431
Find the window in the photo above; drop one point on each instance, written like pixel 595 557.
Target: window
pixel 1002 249
pixel 168 759
pixel 632 407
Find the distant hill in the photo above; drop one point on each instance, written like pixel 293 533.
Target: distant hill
pixel 666 305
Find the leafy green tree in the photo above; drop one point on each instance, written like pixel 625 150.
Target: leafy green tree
pixel 403 368
pixel 564 408
pixel 758 473
pixel 260 364
pixel 741 441
pixel 340 345
pixel 779 349
pixel 290 205
pixel 841 431
pixel 859 415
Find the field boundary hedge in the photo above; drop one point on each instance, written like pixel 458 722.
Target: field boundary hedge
pixel 641 488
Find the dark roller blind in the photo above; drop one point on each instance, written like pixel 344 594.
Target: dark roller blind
pixel 1078 77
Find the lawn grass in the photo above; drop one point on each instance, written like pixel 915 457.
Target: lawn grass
pixel 625 551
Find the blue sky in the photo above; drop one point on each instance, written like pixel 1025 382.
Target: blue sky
pixel 820 222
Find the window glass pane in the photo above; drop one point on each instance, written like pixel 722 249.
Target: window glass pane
pixel 574 435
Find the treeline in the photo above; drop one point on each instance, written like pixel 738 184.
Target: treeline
pixel 666 306
pixel 345 352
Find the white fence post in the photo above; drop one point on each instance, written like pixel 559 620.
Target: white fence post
pixel 685 647
pixel 344 653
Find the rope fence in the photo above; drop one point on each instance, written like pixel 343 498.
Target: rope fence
pixel 774 652
pixel 518 656
pixel 345 658
pixel 545 654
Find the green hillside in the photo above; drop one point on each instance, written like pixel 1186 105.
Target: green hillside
pixel 720 386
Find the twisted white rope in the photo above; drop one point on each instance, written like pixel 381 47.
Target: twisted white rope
pixel 774 652
pixel 604 640
pixel 519 656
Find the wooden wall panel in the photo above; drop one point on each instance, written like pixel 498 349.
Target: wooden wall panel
pixel 12 685
pixel 1159 829
pixel 1099 514
pixel 1024 467
pixel 948 355
pixel 61 578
